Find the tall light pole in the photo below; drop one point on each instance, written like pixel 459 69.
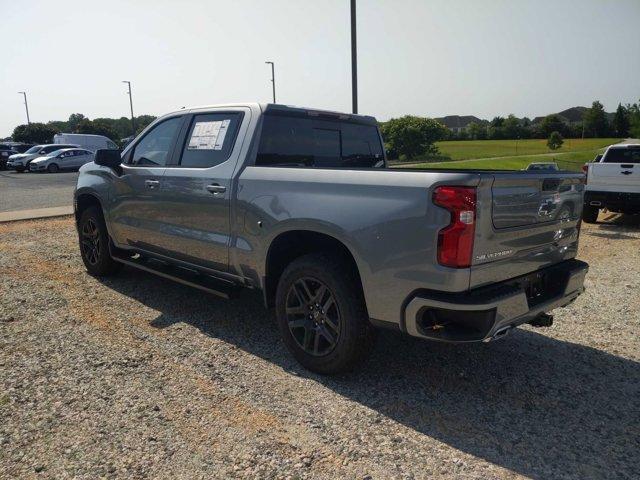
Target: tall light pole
pixel 354 60
pixel 273 79
pixel 133 125
pixel 24 94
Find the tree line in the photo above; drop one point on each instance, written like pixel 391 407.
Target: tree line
pixel 411 136
pixel 112 128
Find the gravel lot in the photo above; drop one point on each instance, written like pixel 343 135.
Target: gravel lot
pixel 23 191
pixel 136 377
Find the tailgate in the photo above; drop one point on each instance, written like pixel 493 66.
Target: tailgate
pixel 614 177
pixel 525 221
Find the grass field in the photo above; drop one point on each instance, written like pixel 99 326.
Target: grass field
pixel 501 154
pixel 464 150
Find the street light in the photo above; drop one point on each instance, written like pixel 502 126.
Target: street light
pixel 354 60
pixel 273 79
pixel 24 94
pixel 133 125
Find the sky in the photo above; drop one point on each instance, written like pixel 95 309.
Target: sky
pixel 428 58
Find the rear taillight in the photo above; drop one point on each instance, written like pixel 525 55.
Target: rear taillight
pixel 585 169
pixel 455 241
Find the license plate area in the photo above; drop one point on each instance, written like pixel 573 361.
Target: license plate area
pixel 541 287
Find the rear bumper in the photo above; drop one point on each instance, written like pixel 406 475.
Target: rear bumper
pixel 617 201
pixel 483 313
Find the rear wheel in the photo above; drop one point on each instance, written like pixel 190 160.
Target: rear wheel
pixel 94 244
pixel 53 168
pixel 321 314
pixel 590 214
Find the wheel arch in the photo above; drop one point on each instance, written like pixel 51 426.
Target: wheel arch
pixel 292 244
pixel 84 200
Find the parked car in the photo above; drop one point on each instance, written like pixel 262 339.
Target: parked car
pixel 613 182
pixel 6 151
pixel 86 141
pixel 64 159
pixel 20 161
pixel 22 147
pixel 299 204
pixel 542 166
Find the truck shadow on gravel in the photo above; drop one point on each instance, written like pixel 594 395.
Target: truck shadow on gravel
pixel 615 226
pixel 538 406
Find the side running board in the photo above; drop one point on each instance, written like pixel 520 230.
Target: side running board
pixel 192 278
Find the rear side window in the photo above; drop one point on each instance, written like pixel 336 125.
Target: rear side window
pixel 622 155
pixel 306 142
pixel 210 139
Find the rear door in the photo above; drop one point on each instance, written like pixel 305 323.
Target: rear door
pixel 618 171
pixel 135 210
pixel 196 189
pixel 526 221
pixel 66 160
pixel 82 157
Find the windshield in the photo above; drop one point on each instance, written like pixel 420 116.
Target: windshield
pixel 35 149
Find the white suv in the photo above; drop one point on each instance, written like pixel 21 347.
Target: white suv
pixel 613 182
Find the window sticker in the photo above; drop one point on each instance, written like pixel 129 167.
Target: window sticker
pixel 208 135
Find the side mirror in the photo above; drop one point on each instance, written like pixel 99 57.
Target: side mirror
pixel 109 158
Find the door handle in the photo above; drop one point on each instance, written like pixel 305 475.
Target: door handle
pixel 151 183
pixel 215 188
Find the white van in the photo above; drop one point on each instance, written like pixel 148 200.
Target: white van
pixel 90 142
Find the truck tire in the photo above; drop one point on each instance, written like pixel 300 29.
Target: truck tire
pixel 590 214
pixel 94 244
pixel 322 315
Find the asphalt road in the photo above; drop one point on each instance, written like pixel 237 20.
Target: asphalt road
pixel 21 191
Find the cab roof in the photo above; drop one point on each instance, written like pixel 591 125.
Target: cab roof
pixel 276 108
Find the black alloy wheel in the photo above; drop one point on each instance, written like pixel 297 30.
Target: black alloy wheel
pixel 313 316
pixel 90 241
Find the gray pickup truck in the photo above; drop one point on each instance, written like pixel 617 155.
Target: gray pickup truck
pixel 301 205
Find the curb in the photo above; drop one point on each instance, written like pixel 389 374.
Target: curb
pixel 35 213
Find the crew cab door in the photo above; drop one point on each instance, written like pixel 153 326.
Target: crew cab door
pixel 135 210
pixel 196 189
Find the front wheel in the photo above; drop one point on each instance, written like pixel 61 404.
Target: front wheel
pixel 94 244
pixel 590 214
pixel 321 314
pixel 53 168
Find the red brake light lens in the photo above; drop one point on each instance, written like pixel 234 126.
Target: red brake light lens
pixel 455 241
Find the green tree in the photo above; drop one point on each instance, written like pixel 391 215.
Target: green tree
pixel 555 141
pixel 634 119
pixel 409 136
pixel 511 127
pixel 552 123
pixel 475 131
pixel 595 121
pixel 620 123
pixel 34 133
pixel 74 120
pixel 497 122
pixel 60 125
pixel 97 127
